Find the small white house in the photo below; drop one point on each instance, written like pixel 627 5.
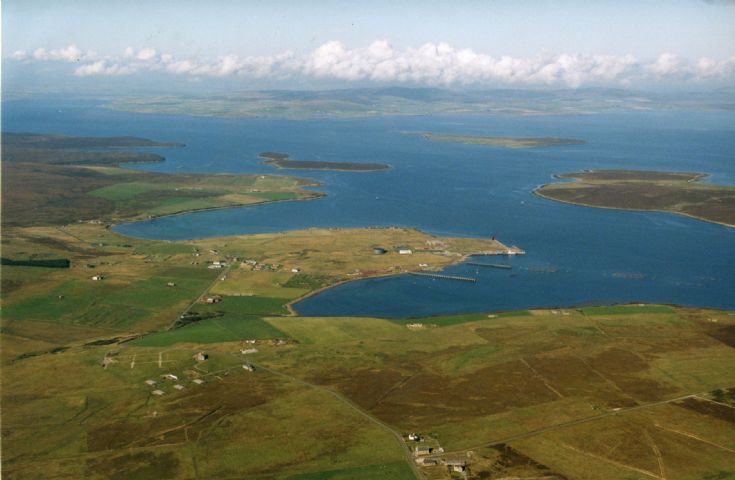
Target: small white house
pixel 169 376
pixel 97 278
pixel 248 367
pixel 157 392
pixel 198 381
pixel 150 382
pixel 178 387
pixel 295 270
pixel 404 251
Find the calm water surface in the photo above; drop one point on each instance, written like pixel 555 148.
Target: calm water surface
pixel 599 256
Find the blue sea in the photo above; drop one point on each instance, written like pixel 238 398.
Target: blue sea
pixel 575 255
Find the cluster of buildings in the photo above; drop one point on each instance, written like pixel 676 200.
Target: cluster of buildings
pixel 426 456
pixel 400 249
pixel 170 377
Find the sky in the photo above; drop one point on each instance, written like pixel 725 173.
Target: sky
pixel 534 43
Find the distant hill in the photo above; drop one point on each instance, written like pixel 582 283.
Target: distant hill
pixel 394 101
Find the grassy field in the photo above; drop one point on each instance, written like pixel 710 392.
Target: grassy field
pixel 244 281
pixel 640 190
pixel 395 470
pixel 478 381
pixel 444 320
pixel 229 328
pixel 323 256
pixel 104 423
pixel 66 182
pixel 504 142
pixel 507 387
pixel 627 310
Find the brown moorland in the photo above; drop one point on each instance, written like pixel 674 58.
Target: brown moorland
pixel 674 192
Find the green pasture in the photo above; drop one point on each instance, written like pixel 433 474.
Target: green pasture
pixel 393 470
pixel 229 328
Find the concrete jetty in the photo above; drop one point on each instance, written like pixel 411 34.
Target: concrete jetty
pixel 491 265
pixel 444 277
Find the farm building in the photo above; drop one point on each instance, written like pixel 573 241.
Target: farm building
pixel 212 299
pixel 248 367
pixel 423 451
pixel 403 250
pixel 456 465
pixel 157 392
pixel 379 251
pixel 97 278
pixel 178 387
pixel 200 357
pixel 426 462
pixel 169 376
pixel 198 381
pixel 150 382
pixel 247 351
pixel 170 284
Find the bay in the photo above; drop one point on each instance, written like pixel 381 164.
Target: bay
pixel 597 256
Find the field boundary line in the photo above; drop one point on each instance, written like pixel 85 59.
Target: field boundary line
pixel 570 423
pixel 612 462
pixel 657 452
pixel 699 439
pixel 406 450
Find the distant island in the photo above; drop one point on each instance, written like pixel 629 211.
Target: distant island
pixel 505 142
pixel 406 101
pixel 676 192
pixel 280 160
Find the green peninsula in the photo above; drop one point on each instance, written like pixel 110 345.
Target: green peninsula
pixel 675 192
pixel 64 182
pixel 280 160
pixel 65 150
pixel 505 142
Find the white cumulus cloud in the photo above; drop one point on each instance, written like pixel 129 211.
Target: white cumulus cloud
pixel 438 64
pixel 146 54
